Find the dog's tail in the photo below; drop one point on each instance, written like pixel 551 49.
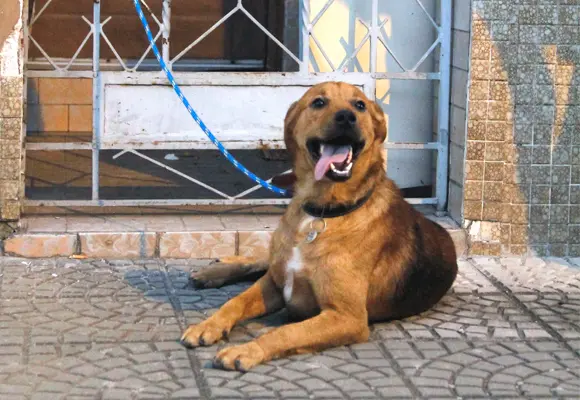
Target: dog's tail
pixel 229 270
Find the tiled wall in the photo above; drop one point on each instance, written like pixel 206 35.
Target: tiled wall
pixel 522 170
pixel 459 79
pixel 11 110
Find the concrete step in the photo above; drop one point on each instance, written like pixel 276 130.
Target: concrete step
pixel 166 236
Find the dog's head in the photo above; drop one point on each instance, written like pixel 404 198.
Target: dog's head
pixel 334 133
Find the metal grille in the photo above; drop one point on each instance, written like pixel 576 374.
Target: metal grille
pixel 131 74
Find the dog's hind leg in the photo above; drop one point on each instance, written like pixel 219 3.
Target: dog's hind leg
pixel 229 270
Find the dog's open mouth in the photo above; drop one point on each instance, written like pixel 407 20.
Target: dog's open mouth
pixel 334 158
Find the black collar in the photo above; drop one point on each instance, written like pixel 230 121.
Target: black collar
pixel 333 211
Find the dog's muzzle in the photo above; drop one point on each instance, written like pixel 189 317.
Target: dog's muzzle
pixel 336 152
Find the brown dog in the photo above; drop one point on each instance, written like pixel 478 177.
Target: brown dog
pixel 349 248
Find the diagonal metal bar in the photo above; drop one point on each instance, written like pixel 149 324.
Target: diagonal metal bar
pixel 84 42
pixel 359 47
pixel 427 53
pixel 44 54
pixel 272 37
pixel 106 38
pixel 348 58
pixel 357 66
pixel 384 43
pixel 140 61
pixel 189 178
pixel 321 49
pixel 254 188
pixel 320 13
pixel 206 33
pixel 38 14
pixel 427 14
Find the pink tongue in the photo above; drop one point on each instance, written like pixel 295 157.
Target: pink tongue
pixel 330 154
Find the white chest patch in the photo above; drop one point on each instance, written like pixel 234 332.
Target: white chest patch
pixel 294 265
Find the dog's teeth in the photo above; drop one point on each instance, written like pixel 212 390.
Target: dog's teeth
pixel 333 168
pixel 348 168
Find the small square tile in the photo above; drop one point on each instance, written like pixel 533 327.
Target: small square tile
pixel 539 233
pixel 494 171
pixel 524 94
pixel 523 133
pixel 473 190
pixel 540 174
pixel 560 194
pixel 574 194
pixel 541 154
pixel 480 50
pixel 475 151
pixel 560 175
pixel 559 214
pixel 10 128
pixel 480 69
pixel 11 107
pixel 517 154
pixel 491 211
pixel 558 233
pixel 477 110
pixel 540 214
pixel 496 131
pixel 474 170
pixel 575 214
pixel 494 151
pixel 476 130
pixel 472 210
pixel 574 234
pixel 520 213
pixel 493 191
pixel 519 234
pixel 479 90
pixel 543 134
pixel 561 155
pixel 575 174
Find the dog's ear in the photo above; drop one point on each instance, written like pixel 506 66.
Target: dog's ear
pixel 379 123
pixel 285 181
pixel 289 124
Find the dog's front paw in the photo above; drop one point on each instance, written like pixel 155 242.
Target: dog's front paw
pixel 204 334
pixel 240 358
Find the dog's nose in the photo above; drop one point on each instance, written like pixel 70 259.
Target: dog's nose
pixel 345 118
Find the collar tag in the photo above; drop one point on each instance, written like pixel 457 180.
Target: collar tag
pixel 317 226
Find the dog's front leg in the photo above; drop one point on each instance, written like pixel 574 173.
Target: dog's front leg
pixel 261 298
pixel 343 320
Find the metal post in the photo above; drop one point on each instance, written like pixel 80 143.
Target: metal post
pixel 96 96
pixel 305 35
pixel 374 35
pixel 443 105
pixel 166 32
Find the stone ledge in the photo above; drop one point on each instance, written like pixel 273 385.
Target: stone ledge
pixel 176 237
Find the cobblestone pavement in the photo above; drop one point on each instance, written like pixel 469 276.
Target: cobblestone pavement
pixel 94 329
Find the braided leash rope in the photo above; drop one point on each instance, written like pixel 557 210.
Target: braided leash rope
pixel 194 115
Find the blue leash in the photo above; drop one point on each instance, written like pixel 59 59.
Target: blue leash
pixel 194 115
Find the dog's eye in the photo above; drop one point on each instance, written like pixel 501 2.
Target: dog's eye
pixel 360 105
pixel 318 102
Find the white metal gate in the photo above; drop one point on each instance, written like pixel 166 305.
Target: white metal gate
pixel 126 120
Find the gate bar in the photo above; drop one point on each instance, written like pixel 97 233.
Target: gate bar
pixel 96 97
pixel 166 17
pixel 305 35
pixel 443 105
